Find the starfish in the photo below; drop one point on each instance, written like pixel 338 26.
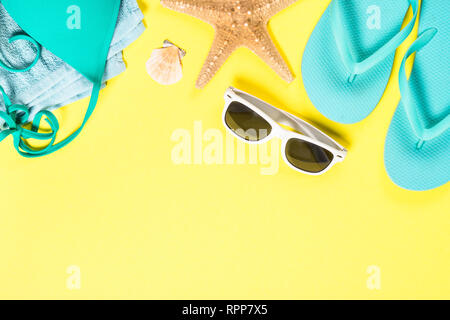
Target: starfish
pixel 237 24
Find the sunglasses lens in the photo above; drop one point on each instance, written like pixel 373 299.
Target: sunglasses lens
pixel 246 123
pixel 308 156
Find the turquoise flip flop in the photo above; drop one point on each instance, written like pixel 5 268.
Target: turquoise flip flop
pixel 417 151
pixel 348 59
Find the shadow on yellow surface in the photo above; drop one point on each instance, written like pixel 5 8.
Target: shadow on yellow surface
pixel 114 216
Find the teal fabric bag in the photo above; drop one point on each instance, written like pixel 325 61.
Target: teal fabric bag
pixel 84 45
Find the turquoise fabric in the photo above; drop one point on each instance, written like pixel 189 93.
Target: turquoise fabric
pixel 51 83
pixel 349 56
pixel 417 150
pixel 84 48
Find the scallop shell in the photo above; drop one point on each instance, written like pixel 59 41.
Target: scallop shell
pixel 164 65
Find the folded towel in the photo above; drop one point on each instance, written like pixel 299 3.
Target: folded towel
pixel 52 83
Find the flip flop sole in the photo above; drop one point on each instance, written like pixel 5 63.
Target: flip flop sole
pixel 427 167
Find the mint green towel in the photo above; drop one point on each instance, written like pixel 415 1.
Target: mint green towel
pixel 52 83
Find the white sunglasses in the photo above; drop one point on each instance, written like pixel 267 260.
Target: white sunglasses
pixel 254 121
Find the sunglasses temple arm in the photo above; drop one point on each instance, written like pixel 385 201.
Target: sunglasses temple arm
pixel 288 119
pixel 294 122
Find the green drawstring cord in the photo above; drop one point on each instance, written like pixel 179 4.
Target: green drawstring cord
pixel 15 117
pixel 38 53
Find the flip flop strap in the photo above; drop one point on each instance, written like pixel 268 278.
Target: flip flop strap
pixel 411 108
pixel 347 54
pixel 38 53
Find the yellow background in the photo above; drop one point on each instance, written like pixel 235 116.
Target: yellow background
pixel 139 226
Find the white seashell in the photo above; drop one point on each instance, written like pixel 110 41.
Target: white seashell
pixel 164 65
